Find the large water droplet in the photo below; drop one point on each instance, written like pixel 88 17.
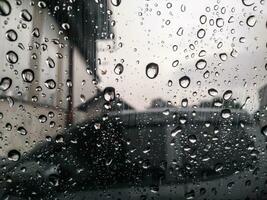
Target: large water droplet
pixel 13 155
pixel 5 8
pixel 11 57
pixel 27 75
pixel 184 81
pixel 25 15
pixel 201 64
pixel 118 69
pixel 152 70
pixel 5 83
pixel 251 21
pixel 11 35
pixel 50 84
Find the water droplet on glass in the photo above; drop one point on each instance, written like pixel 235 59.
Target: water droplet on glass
pixel 227 95
pixel 13 155
pixel 264 130
pixel 41 4
pixel 65 26
pixel 192 139
pixel 247 2
pixel 11 35
pixel 109 94
pixel 11 57
pixel 5 83
pixel 42 118
pixel 226 113
pixel 213 92
pixel 219 22
pixel 50 62
pixel 180 31
pixel 175 63
pixel 50 84
pixel 152 70
pixel 5 8
pixel 203 19
pixel 201 33
pixel 116 2
pixel 118 69
pixel 223 56
pixel 22 130
pixel 27 75
pixel 184 81
pixel 25 15
pixel 251 21
pixel 201 64
pixel 36 32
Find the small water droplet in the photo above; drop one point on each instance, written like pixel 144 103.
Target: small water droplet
pixel 201 33
pixel 118 69
pixel 13 155
pixel 109 94
pixel 50 62
pixel 21 130
pixel 213 92
pixel 11 35
pixel 42 118
pixel 251 21
pixel 25 15
pixel 27 75
pixel 226 113
pixel 50 84
pixel 264 130
pixel 11 57
pixel 227 95
pixel 152 70
pixel 5 83
pixel 223 56
pixel 184 81
pixel 201 64
pixel 115 2
pixel 247 2
pixel 219 22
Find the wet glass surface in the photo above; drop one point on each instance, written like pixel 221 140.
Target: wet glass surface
pixel 116 99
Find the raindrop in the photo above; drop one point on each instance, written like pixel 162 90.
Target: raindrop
pixel 11 35
pixel 5 83
pixel 13 155
pixel 118 69
pixel 251 21
pixel 213 92
pixel 184 103
pixel 180 31
pixel 201 64
pixel 5 8
pixel 25 15
pixel 264 130
pixel 226 113
pixel 109 94
pixel 21 130
pixel 175 63
pixel 50 62
pixel 27 75
pixel 65 26
pixel 219 22
pixel 247 2
pixel 11 57
pixel 201 33
pixel 41 4
pixel 203 19
pixel 36 32
pixel 50 84
pixel 42 118
pixel 192 139
pixel 184 81
pixel 223 56
pixel 227 95
pixel 116 2
pixel 152 70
